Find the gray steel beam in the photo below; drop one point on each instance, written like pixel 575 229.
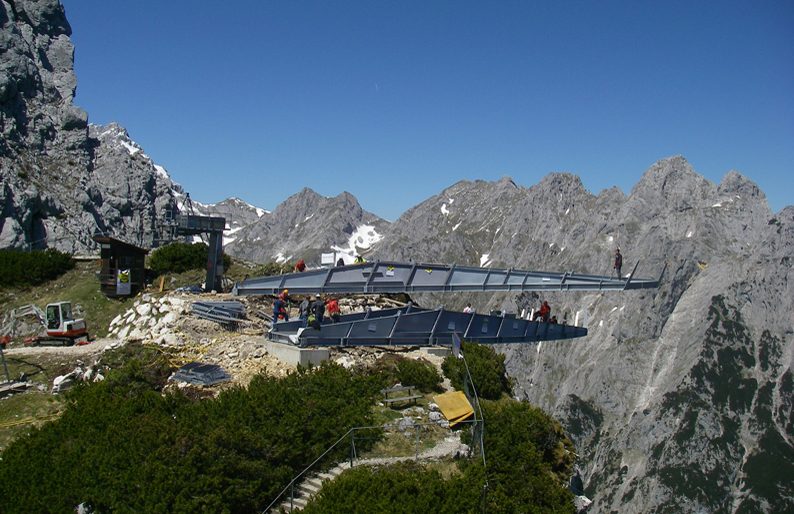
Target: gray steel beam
pixel 366 278
pixel 421 327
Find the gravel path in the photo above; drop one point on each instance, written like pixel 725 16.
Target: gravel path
pixel 88 349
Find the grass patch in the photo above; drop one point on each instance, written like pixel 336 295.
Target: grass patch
pixel 20 412
pixel 447 468
pixel 383 415
pixel 408 443
pixel 41 369
pixel 79 286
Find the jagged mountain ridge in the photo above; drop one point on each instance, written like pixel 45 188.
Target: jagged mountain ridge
pixel 680 398
pixel 307 225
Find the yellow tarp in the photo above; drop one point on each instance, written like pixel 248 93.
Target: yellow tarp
pixel 454 406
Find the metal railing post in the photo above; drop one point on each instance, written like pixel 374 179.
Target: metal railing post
pixel 416 440
pixel 352 446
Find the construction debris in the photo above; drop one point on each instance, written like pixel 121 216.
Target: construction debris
pixel 10 388
pixel 229 313
pixel 199 373
pixel 79 374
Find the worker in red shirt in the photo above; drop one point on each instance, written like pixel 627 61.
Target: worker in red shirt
pixel 300 266
pixel 543 313
pixel 332 306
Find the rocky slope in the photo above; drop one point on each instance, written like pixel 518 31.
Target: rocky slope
pixel 680 399
pixel 63 179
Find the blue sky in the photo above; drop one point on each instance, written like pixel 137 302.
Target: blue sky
pixel 394 101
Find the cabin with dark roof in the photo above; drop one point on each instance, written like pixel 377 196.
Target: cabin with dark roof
pixel 123 269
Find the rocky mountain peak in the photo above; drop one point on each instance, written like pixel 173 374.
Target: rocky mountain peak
pixel 670 184
pixel 506 183
pixel 307 224
pixel 667 177
pixel 734 183
pixel 559 183
pixel 43 16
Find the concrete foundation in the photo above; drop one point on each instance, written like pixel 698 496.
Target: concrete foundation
pixel 293 355
pixel 439 351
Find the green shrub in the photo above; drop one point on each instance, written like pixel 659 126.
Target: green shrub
pixel 487 371
pixel 153 452
pixel 32 268
pixel 419 373
pixel 529 460
pixel 180 257
pixel 405 487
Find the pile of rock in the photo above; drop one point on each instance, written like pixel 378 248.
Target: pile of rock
pixel 151 319
pixel 22 322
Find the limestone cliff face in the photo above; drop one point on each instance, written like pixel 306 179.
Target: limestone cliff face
pixel 680 399
pixel 63 179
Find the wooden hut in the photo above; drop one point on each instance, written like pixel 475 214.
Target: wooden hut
pixel 123 270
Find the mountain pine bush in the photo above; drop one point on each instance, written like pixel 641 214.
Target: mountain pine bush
pixel 487 371
pixel 180 257
pixel 123 446
pixel 419 373
pixel 32 268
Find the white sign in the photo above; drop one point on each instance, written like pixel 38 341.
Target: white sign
pixel 123 284
pixel 328 258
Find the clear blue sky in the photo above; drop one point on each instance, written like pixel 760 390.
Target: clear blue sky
pixel 395 100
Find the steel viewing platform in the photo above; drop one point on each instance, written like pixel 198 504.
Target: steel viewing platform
pixel 413 326
pixel 400 277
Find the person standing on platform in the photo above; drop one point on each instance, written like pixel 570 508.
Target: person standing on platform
pixel 618 262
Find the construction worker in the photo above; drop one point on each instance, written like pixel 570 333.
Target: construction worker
pixel 318 309
pixel 280 310
pixel 359 260
pixel 303 309
pixel 300 266
pixel 618 262
pixel 333 309
pixel 542 313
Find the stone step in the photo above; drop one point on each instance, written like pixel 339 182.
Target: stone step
pixel 308 489
pixel 315 481
pixel 297 504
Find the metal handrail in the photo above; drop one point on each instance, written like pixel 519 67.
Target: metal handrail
pixel 299 475
pixel 292 482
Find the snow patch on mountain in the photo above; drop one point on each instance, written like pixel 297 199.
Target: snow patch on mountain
pixel 363 238
pixel 227 239
pixel 161 171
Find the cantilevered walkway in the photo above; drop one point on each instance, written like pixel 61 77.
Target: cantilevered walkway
pixel 414 326
pixel 401 277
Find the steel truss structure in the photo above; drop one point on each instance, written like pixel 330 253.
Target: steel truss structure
pixel 411 325
pixel 400 277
